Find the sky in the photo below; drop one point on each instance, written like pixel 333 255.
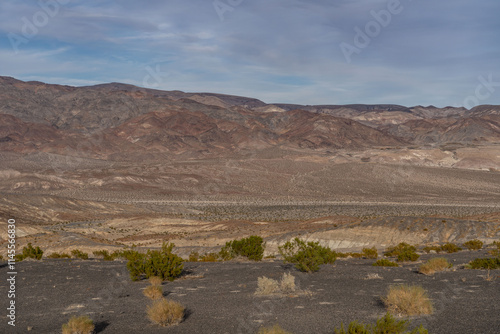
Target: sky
pixel 408 52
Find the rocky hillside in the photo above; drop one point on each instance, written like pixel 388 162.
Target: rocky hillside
pixel 118 119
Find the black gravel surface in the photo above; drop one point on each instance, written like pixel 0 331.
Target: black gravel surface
pixel 219 297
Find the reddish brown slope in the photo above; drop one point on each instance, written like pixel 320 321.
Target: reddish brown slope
pixel 314 131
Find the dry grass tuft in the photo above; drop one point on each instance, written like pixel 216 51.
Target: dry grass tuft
pixel 285 287
pixel 287 284
pixel 408 300
pixel 166 312
pixel 267 286
pixel 276 329
pixel 155 280
pixel 435 264
pixel 78 325
pixel 373 276
pixel 153 292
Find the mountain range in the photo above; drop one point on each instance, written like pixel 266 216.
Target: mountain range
pixel 122 121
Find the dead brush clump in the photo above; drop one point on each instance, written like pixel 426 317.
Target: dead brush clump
pixel 153 292
pixel 155 280
pixel 286 286
pixel 78 325
pixel 267 286
pixel 165 312
pixel 408 300
pixel 434 265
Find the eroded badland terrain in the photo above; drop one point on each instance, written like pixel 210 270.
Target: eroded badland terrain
pixel 114 166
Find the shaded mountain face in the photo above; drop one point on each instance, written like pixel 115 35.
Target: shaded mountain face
pixel 464 130
pixel 117 120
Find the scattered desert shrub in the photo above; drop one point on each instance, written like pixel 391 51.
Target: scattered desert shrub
pixel 269 286
pixel 209 257
pixel 306 256
pixel 162 263
pixel 194 256
pixel 105 255
pixel 342 255
pixel 59 256
pixel 78 325
pixel 408 300
pixel 450 248
pixel 385 263
pixel 276 329
pixel 435 264
pixel 370 253
pixel 153 292
pixel 385 325
pixel 165 312
pixel 351 254
pixel 475 244
pixel 127 254
pixel 404 252
pixel 30 252
pixel 486 263
pixel 79 254
pixel 1 257
pixel 495 252
pixel 251 247
pixel 428 249
pixel 155 280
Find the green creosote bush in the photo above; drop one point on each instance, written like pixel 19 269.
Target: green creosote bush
pixel 475 244
pixel 105 255
pixel 385 325
pixel 59 256
pixel 126 254
pixel 428 249
pixel 30 252
pixel 385 263
pixel 194 257
pixel 487 263
pixel 251 247
pixel 209 257
pixel 79 254
pixel 404 252
pixel 308 256
pixel 162 263
pixel 495 252
pixel 370 253
pixel 450 248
